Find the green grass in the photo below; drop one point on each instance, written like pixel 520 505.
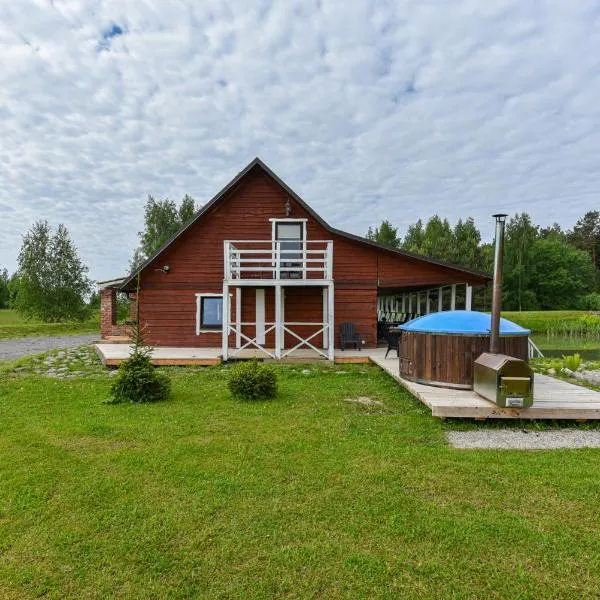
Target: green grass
pixel 540 321
pixel 12 325
pixel 305 496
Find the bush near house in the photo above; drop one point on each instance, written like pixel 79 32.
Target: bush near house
pixel 252 381
pixel 138 381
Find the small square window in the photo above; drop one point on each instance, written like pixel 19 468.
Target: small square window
pixel 211 312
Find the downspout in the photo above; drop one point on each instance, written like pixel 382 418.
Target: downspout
pixel 497 290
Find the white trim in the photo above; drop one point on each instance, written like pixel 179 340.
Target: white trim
pixel 226 322
pixel 453 298
pixel 260 316
pixel 325 292
pixel 274 245
pixel 330 321
pixel 440 299
pixel 286 219
pixel 278 320
pixel 200 295
pixel 238 317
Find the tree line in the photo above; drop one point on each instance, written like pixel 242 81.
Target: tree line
pixel 51 281
pixel 544 268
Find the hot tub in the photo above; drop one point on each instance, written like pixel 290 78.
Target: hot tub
pixel 440 348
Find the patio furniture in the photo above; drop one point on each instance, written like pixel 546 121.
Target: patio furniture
pixel 392 336
pixel 349 336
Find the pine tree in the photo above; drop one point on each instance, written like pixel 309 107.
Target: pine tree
pixel 384 234
pixel 467 245
pixel 586 235
pixel 4 291
pixel 414 238
pixel 521 234
pixel 162 219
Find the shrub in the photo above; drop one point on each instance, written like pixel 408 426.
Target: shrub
pixel 590 301
pixel 252 381
pixel 139 381
pixel 572 362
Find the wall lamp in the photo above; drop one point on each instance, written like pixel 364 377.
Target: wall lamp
pixel 164 270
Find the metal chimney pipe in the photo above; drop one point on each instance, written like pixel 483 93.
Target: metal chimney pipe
pixel 497 292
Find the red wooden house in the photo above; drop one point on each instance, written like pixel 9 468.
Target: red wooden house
pixel 258 268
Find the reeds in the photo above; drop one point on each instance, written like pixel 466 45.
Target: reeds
pixel 586 327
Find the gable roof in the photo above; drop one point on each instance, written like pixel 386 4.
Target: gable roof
pixel 257 162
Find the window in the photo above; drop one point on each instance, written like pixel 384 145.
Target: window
pixel 209 312
pixel 290 235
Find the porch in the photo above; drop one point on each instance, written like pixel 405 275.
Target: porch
pixel 112 355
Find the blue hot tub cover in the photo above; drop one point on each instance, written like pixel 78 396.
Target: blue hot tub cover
pixel 461 322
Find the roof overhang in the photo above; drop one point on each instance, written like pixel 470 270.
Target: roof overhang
pixel 110 283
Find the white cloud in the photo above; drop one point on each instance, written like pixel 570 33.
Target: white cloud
pixel 369 110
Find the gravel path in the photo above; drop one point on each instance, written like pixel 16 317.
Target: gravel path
pixel 15 348
pixel 517 439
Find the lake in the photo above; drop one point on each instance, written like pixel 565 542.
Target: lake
pixel 557 346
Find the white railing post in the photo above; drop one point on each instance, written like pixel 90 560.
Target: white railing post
pixel 225 320
pixel 278 322
pixel 226 261
pixel 238 317
pixel 277 260
pixel 325 293
pixel 330 322
pixel 329 261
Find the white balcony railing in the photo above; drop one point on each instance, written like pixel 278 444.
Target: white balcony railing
pixel 277 260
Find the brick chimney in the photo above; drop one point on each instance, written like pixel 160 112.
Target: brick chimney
pixel 108 313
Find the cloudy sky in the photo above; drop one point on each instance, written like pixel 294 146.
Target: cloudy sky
pixel 368 109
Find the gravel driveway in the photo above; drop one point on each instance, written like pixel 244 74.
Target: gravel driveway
pixel 515 439
pixel 15 348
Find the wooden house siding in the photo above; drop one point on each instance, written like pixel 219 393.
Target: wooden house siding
pixel 244 212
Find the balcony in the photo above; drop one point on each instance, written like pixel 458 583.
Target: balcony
pixel 287 262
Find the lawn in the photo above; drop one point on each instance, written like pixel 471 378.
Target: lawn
pixel 305 496
pixel 540 321
pixel 12 325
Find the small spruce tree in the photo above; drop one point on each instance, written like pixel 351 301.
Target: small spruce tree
pixel 137 380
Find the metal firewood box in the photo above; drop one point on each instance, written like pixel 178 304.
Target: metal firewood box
pixel 504 380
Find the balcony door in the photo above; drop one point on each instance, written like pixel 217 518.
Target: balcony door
pixel 290 235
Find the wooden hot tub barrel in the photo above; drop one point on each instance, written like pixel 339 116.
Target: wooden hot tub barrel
pixel 445 358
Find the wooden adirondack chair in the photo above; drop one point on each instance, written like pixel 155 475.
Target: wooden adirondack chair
pixel 349 336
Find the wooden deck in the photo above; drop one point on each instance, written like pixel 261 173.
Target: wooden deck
pixel 553 398
pixel 112 355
